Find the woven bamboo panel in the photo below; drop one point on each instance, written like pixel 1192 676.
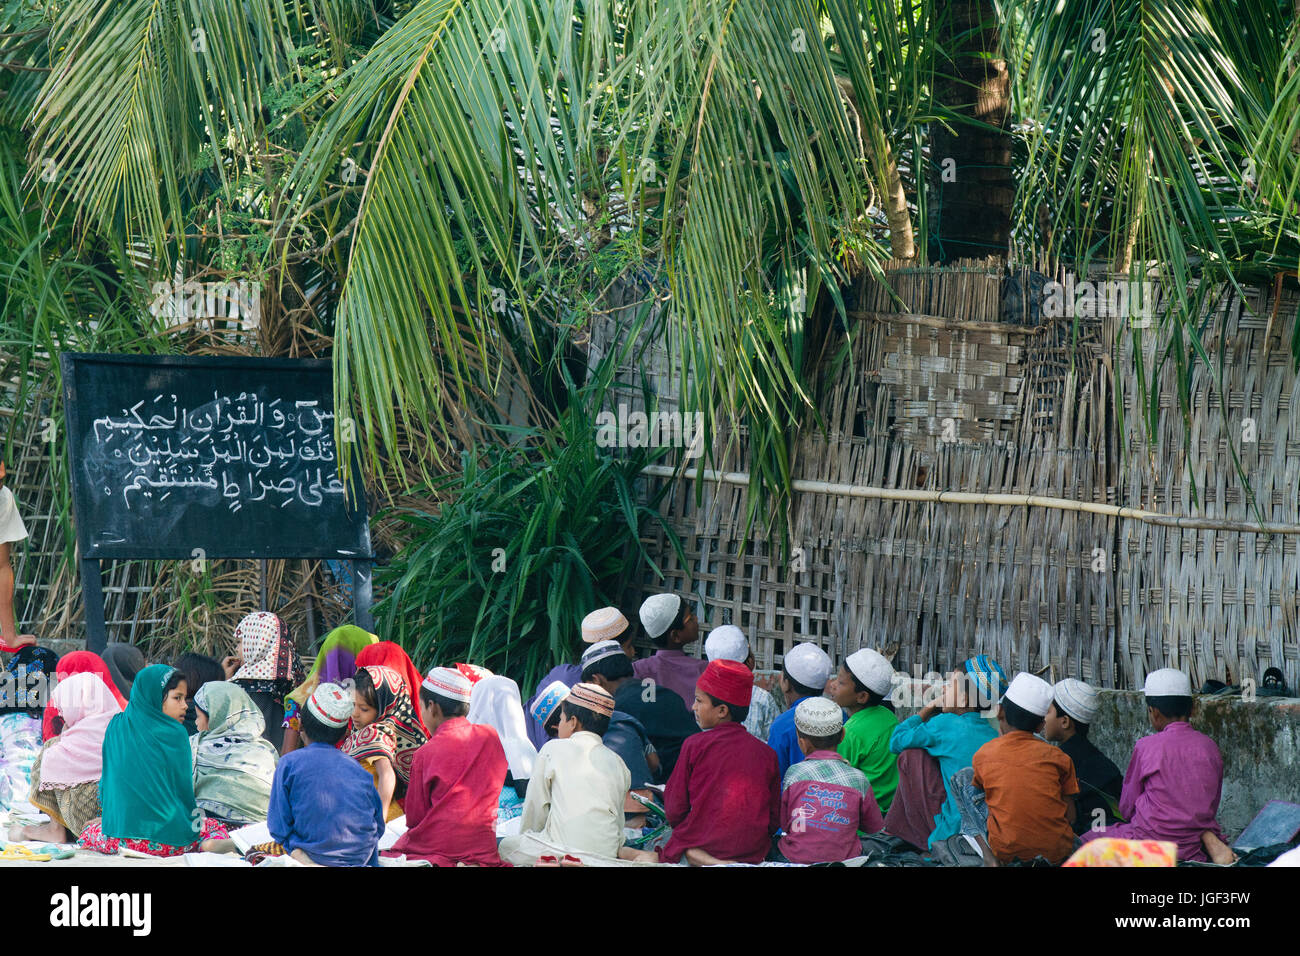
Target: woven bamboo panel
pixel 1221 604
pixel 1061 593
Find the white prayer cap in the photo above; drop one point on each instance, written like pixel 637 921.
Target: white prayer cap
pixel 1077 699
pixel 727 643
pixel 331 705
pixel 658 612
pixel 809 665
pixel 872 670
pixel 603 624
pixel 450 683
pixel 818 717
pixel 1168 682
pixel 1030 693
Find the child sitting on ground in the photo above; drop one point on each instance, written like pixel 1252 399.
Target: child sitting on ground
pixel 729 643
pixel 804 673
pixel 951 730
pixel 456 780
pixel 825 802
pixel 1174 778
pixel 576 794
pixel 324 806
pixel 862 687
pixel 1074 706
pixel 1029 784
pixel 724 798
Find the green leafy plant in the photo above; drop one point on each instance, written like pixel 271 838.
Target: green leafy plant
pixel 529 538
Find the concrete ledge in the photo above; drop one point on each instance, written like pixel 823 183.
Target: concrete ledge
pixel 1259 740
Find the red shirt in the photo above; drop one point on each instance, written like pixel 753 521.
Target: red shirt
pixel 451 801
pixel 724 796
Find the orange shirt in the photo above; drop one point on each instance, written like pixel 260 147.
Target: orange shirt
pixel 1025 781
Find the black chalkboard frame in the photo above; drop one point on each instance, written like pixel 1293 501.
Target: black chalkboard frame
pixel 359 554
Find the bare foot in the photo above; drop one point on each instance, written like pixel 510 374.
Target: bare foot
pixel 218 846
pixel 639 856
pixel 697 857
pixel 45 833
pixel 303 858
pixel 1218 851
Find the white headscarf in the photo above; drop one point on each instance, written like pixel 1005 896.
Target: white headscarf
pixel 495 701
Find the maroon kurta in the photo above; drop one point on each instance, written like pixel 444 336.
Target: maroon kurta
pixel 724 796
pixel 451 802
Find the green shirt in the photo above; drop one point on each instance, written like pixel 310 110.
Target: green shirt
pixel 866 746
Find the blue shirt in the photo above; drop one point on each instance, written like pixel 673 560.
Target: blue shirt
pixel 627 738
pixel 325 804
pixel 952 739
pixel 569 674
pixel 784 739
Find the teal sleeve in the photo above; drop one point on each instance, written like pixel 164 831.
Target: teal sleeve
pixel 912 733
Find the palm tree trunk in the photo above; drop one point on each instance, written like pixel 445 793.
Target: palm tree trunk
pixel 972 188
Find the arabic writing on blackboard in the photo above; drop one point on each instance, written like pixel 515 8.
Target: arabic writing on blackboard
pixel 247 448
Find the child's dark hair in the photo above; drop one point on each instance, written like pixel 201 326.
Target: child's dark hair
pixel 1080 728
pixel 199 669
pixel 590 720
pixel 614 667
pixel 798 689
pixel 316 732
pixel 676 625
pixel 823 743
pixel 1019 718
pixel 738 713
pixel 1172 707
pixel 450 708
pixel 174 680
pixel 365 686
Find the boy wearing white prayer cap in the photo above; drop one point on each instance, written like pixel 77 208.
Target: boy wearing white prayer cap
pixel 1029 785
pixel 862 687
pixel 670 624
pixel 805 670
pixel 1174 779
pixel 825 801
pixel 729 643
pixel 1074 707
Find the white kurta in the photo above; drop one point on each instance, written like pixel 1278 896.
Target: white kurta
pixel 575 798
pixel 11 522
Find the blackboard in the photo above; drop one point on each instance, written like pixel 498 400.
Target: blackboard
pixel 213 457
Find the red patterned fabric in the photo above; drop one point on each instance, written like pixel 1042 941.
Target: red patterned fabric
pixel 388 654
pixel 92 838
pixel 396 733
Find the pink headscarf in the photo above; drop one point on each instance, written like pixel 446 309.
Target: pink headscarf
pixel 76 756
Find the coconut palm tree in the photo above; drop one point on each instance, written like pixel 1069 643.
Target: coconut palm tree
pixel 444 164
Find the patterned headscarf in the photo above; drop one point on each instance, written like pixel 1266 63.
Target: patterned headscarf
pixel 396 732
pixel 269 659
pixel 233 762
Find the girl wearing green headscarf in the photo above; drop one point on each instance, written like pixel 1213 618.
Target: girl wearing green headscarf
pixel 336 661
pixel 147 786
pixel 233 763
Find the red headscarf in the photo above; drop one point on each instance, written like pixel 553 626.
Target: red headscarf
pixel 79 662
pixel 388 654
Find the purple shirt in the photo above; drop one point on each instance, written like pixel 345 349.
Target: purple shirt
pixel 1171 790
pixel 674 669
pixel 570 674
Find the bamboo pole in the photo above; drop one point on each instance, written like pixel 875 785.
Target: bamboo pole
pixel 982 498
pixel 939 322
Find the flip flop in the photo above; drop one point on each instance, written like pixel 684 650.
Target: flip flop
pixel 58 852
pixel 17 853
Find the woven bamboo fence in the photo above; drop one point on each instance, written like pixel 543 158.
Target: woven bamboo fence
pixel 958 383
